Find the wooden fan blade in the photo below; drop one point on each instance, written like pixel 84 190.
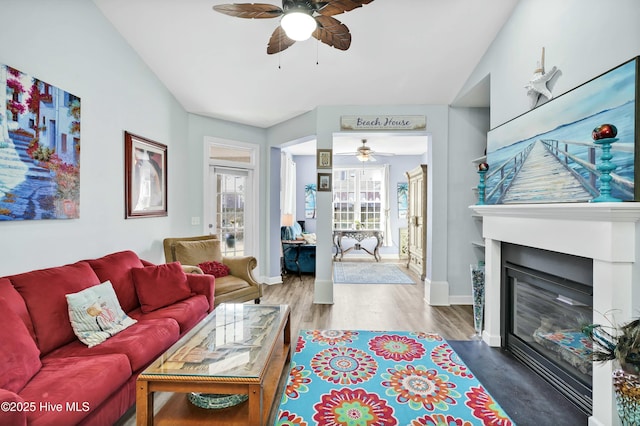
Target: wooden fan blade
pixel 249 10
pixel 278 41
pixel 336 7
pixel 332 32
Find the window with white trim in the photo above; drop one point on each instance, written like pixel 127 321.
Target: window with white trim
pixel 358 201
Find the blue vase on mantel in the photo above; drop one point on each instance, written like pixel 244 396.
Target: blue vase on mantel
pixel 483 168
pixel 604 135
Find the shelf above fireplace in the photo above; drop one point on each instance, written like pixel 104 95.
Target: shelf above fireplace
pixel 610 212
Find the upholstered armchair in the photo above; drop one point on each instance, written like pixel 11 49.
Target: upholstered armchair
pixel 237 287
pixel 299 258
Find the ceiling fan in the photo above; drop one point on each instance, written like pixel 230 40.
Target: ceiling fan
pixel 365 153
pixel 300 20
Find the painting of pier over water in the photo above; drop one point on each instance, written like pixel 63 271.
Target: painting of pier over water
pixel 547 155
pixel 39 149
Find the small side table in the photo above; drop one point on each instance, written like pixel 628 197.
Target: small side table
pixel 291 245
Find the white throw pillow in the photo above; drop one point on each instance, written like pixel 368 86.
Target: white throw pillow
pixel 309 238
pixel 96 315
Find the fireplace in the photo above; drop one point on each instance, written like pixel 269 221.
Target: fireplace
pixel 608 234
pixel 547 298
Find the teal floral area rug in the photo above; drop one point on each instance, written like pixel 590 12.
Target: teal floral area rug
pixel 368 273
pixel 367 378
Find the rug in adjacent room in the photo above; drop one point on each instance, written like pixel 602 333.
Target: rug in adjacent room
pixel 355 377
pixel 368 273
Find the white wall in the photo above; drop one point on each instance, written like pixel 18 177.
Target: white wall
pixel 324 121
pixel 88 58
pixel 467 141
pixel 583 38
pixel 71 45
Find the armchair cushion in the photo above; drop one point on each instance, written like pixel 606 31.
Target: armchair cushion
pixel 197 252
pixel 160 285
pixel 237 287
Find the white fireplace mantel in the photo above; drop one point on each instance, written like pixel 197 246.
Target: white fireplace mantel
pixel 608 233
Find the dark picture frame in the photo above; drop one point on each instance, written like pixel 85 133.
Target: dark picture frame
pixel 324 182
pixel 564 126
pixel 324 159
pixel 145 169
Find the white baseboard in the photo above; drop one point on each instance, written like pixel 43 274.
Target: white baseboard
pixel 461 300
pixel 491 340
pixel 323 292
pixel 271 280
pixel 436 293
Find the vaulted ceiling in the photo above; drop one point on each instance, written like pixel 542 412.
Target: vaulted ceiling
pixel 403 52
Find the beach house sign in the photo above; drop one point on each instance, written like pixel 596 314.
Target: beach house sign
pixel 383 122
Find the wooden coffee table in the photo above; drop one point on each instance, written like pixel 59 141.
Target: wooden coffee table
pixel 237 350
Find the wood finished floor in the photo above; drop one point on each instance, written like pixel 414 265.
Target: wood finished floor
pixel 370 307
pixel 389 307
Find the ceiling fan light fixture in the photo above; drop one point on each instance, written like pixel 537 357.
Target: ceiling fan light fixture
pixel 362 157
pixel 298 25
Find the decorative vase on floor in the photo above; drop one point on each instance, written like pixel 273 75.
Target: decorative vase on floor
pixel 627 390
pixel 477 285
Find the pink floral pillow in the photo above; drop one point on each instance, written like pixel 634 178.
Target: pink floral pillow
pixel 214 268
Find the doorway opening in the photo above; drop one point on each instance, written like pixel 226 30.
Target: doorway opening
pixel 370 191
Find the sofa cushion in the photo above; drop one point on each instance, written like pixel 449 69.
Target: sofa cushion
pixel 196 252
pixel 116 267
pixel 96 315
pixel 12 417
pixel 16 303
pixel 44 292
pixel 205 285
pixel 214 268
pixel 187 312
pixel 83 382
pixel 19 355
pixel 160 285
pixel 141 343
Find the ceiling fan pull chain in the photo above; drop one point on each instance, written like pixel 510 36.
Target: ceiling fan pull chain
pixel 317 51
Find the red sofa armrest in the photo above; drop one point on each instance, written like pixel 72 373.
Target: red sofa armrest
pixel 203 284
pixel 14 409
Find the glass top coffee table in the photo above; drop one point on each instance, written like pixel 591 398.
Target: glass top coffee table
pixel 236 354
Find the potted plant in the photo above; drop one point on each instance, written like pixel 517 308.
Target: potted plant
pixel 620 344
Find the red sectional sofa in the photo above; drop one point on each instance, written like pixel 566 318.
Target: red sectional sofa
pixel 49 377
